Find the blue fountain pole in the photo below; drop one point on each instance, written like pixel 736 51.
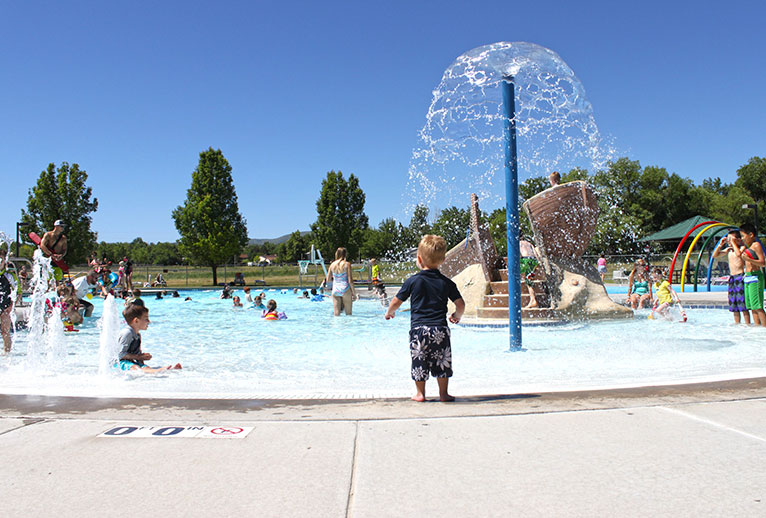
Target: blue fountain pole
pixel 512 214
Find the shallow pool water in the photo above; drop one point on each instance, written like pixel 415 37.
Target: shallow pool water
pixel 228 352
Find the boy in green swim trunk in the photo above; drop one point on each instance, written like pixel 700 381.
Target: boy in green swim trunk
pixel 754 281
pixel 528 264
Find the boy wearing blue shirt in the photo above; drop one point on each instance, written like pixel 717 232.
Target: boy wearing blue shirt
pixel 430 346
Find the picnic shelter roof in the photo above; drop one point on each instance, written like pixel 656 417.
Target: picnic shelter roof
pixel 679 230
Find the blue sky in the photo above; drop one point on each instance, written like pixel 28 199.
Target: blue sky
pixel 133 91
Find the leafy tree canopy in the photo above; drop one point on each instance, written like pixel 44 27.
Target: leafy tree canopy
pixel 752 178
pixel 295 248
pixel 341 221
pixel 61 193
pixel 212 229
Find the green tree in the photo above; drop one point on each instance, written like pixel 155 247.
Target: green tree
pixel 388 240
pixel 452 224
pixel 62 194
pixel 752 177
pixel 341 221
pixel 212 229
pixel 292 250
pixel 418 226
pixel 165 254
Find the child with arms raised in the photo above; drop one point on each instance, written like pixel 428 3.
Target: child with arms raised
pixel 430 346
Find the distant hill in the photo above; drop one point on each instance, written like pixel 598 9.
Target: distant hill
pixel 275 240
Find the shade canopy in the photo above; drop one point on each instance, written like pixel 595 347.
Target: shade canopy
pixel 679 230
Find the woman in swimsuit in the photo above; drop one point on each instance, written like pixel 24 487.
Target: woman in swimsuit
pixel 641 296
pixel 342 283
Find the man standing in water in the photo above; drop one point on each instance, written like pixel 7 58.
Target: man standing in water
pixel 54 245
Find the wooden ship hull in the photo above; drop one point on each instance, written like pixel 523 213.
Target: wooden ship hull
pixel 563 219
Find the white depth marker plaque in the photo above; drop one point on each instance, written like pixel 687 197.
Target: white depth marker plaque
pixel 199 432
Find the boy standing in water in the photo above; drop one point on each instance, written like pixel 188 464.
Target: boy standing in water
pixel 131 357
pixel 430 346
pixel 728 245
pixel 754 259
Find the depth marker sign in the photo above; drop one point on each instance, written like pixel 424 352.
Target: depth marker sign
pixel 199 432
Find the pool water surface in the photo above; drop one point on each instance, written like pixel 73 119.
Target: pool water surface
pixel 231 352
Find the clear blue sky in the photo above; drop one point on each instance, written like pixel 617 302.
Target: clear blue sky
pixel 133 91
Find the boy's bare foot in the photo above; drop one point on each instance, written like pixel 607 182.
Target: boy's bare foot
pixel 446 399
pixel 420 398
pixel 530 306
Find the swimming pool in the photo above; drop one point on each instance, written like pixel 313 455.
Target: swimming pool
pixel 232 353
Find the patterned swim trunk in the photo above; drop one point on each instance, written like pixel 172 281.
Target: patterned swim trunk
pixel 431 352
pixel 528 265
pixel 737 293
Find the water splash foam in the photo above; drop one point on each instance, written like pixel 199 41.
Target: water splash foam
pixel 461 146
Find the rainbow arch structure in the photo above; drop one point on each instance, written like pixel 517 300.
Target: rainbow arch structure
pixel 708 225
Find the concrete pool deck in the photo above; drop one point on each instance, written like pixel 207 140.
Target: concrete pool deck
pixel 683 450
pixel 686 450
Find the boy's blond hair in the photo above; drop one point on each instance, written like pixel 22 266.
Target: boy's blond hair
pixel 432 250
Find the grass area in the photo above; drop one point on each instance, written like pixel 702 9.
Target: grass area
pixel 277 275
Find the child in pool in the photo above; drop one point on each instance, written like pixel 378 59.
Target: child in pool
pixel 666 296
pixel 270 313
pixel 316 297
pixel 754 259
pixel 237 301
pixel 258 302
pixel 131 357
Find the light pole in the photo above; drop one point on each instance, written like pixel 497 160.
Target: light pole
pixel 19 224
pixel 753 206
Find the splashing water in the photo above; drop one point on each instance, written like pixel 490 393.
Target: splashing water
pixel 109 330
pixel 55 339
pixel 38 343
pixel 461 146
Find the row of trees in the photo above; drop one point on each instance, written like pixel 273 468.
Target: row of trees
pixel 634 201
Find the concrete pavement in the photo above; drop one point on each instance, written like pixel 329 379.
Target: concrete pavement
pixel 689 450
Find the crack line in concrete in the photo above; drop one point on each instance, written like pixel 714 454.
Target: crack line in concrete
pixel 712 423
pixel 23 425
pixel 352 481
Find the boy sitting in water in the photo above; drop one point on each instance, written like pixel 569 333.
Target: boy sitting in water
pixel 131 357
pixel 430 346
pixel 666 296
